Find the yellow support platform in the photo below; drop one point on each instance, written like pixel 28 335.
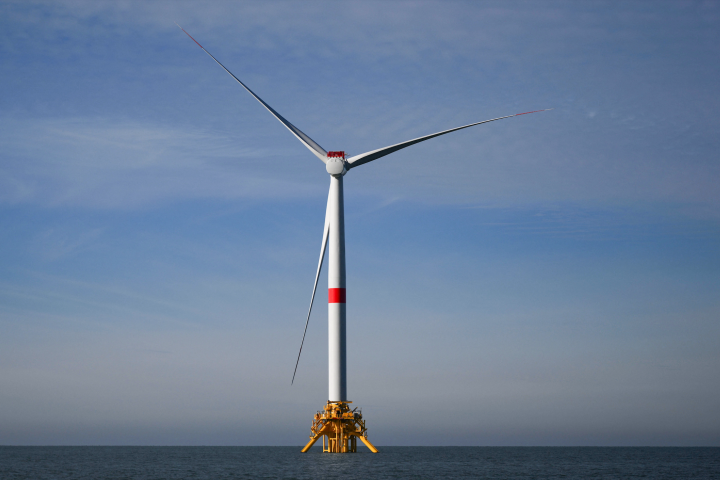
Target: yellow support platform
pixel 341 427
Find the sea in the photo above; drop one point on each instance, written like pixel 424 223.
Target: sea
pixel 39 463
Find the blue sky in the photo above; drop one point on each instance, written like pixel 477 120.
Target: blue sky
pixel 551 279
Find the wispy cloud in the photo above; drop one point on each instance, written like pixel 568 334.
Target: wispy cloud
pixel 98 163
pixel 358 76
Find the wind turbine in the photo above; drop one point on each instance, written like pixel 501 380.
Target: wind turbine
pixel 336 422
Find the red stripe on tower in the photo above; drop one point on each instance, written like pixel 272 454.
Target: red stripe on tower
pixel 336 295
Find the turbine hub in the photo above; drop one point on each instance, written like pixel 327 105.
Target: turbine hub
pixel 336 163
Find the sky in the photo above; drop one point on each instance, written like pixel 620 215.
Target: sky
pixel 549 279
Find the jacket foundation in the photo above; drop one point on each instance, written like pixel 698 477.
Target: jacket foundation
pixel 339 428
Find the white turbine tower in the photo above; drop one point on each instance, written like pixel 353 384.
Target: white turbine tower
pixel 336 421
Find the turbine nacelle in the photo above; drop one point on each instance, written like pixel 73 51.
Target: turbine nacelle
pixel 335 164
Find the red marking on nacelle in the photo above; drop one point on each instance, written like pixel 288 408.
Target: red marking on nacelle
pixel 336 154
pixel 336 295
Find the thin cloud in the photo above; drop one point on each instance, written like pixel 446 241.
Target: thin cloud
pixel 98 163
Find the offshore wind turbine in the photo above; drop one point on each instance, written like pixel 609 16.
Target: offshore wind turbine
pixel 336 422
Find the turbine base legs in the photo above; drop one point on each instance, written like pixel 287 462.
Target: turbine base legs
pixel 339 428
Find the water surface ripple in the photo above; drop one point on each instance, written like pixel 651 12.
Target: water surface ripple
pixel 40 463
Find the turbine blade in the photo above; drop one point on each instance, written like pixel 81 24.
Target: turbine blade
pixel 326 231
pixel 307 141
pixel 366 157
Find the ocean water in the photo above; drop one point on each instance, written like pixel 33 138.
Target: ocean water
pixel 39 463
